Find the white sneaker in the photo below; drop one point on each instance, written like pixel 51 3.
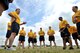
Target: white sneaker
pixel 11 49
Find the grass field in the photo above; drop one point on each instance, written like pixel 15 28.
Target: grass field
pixel 42 50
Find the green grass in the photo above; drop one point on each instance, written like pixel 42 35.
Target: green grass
pixel 42 50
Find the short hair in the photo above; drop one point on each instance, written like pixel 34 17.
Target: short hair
pixel 40 28
pixel 49 26
pixel 17 9
pixel 60 17
pixel 76 7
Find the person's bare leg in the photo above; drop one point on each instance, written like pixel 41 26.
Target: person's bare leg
pixel 32 45
pixel 64 43
pixel 70 42
pixel 44 43
pixel 54 43
pixel 40 43
pixel 11 39
pixel 23 44
pixel 50 44
pixel 19 44
pixel 28 45
pixel 76 42
pixel 6 42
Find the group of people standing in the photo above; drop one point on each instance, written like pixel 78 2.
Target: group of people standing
pixel 32 36
pixel 64 28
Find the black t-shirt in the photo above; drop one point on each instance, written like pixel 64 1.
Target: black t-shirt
pixel 5 3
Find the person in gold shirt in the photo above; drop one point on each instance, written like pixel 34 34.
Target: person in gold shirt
pixel 22 37
pixel 76 18
pixel 8 34
pixel 35 39
pixel 41 36
pixel 30 38
pixel 73 32
pixel 65 34
pixel 15 20
pixel 51 36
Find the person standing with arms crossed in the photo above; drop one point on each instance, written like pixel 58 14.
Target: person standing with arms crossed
pixel 22 37
pixel 41 37
pixel 30 38
pixel 51 36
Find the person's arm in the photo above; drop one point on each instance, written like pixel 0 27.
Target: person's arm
pixel 28 34
pixel 9 25
pixel 25 33
pixel 44 33
pixel 23 23
pixel 11 15
pixel 53 32
pixel 19 32
pixel 47 33
pixel 74 19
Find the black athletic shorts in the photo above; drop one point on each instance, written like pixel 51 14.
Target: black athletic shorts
pixel 35 40
pixel 15 27
pixel 21 38
pixel 65 32
pixel 8 34
pixel 51 38
pixel 30 40
pixel 75 35
pixel 78 28
pixel 41 38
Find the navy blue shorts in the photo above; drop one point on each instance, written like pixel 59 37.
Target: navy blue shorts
pixel 41 38
pixel 30 40
pixel 75 35
pixel 8 34
pixel 51 38
pixel 21 38
pixel 65 33
pixel 15 27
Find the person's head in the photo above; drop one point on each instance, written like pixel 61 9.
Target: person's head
pixel 60 18
pixel 34 32
pixel 17 11
pixel 49 27
pixel 30 30
pixel 22 28
pixel 40 29
pixel 75 8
